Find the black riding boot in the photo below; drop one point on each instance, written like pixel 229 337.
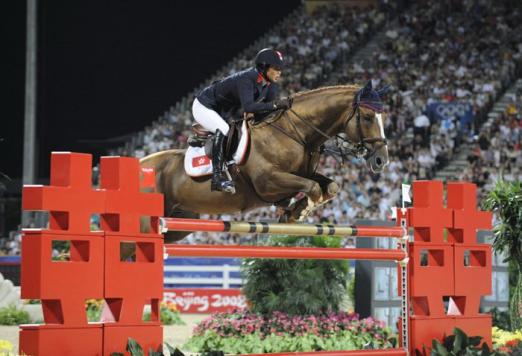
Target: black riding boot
pixel 219 182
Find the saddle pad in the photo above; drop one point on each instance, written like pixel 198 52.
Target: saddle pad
pixel 198 164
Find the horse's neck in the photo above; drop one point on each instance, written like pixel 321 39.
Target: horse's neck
pixel 324 110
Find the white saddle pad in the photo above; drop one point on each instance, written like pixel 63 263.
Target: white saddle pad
pixel 198 164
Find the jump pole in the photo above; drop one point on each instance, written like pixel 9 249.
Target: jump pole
pixel 400 255
pixel 193 225
pixel 285 252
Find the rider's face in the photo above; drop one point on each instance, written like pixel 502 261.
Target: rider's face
pixel 273 73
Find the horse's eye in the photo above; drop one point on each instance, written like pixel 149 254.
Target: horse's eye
pixel 368 117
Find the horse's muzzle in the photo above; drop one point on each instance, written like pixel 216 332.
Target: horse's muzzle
pixel 378 160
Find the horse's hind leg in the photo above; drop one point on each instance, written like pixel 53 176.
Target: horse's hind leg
pixel 293 212
pixel 173 236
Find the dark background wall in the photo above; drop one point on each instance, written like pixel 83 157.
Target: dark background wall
pixel 108 68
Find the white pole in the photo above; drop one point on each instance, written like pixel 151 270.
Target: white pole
pixel 30 100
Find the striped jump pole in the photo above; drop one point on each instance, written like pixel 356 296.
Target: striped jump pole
pixel 179 224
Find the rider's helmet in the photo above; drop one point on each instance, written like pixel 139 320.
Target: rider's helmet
pixel 266 58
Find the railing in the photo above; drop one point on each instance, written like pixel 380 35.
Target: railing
pixel 224 282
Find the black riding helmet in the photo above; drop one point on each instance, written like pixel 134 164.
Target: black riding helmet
pixel 268 57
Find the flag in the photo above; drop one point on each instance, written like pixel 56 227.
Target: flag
pixel 406 193
pixel 200 161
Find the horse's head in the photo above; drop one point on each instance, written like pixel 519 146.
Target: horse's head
pixel 364 127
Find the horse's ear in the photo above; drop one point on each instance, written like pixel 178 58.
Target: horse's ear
pixel 384 90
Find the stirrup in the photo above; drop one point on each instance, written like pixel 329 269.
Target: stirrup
pixel 226 186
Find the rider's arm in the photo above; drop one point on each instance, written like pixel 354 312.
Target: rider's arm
pixel 246 96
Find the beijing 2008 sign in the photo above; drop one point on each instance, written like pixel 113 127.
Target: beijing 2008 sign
pixel 202 300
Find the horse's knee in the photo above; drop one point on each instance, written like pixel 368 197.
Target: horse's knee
pixel 314 192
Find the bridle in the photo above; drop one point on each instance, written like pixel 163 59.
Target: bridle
pixel 365 147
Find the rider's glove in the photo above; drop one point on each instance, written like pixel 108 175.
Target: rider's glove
pixel 283 103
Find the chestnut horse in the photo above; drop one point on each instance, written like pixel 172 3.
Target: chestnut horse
pixel 282 158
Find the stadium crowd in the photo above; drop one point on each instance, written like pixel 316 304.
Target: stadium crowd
pixel 497 152
pixel 431 51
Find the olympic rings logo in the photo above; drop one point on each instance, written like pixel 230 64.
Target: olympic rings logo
pixel 452 109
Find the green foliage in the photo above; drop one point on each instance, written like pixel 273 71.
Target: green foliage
pixel 461 344
pixel 506 200
pixel 244 332
pixel 11 315
pixel 32 301
pixel 169 315
pixel 351 289
pixel 515 305
pixel 257 343
pixel 298 287
pixel 135 349
pixel 94 308
pixel 500 319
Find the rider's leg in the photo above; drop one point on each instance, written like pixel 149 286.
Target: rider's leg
pixel 212 121
pixel 218 181
pixel 209 118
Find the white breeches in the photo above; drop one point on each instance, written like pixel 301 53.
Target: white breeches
pixel 208 118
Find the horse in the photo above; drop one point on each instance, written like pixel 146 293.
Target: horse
pixel 282 158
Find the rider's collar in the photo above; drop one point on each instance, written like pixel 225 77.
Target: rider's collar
pixel 261 79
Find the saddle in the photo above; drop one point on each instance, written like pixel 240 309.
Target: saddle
pixel 198 157
pixel 201 137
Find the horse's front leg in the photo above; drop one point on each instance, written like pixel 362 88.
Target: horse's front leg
pixel 328 187
pixel 301 208
pixel 276 184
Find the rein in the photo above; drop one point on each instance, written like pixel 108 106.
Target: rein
pixel 358 149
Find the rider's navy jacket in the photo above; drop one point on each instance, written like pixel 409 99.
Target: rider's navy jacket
pixel 244 90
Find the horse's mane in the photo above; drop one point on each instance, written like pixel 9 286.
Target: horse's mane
pixel 304 93
pixel 273 117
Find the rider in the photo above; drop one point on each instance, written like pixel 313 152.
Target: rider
pixel 251 90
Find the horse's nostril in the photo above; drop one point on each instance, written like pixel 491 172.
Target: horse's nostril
pixel 378 161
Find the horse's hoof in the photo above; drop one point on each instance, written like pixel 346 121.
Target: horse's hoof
pixel 332 189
